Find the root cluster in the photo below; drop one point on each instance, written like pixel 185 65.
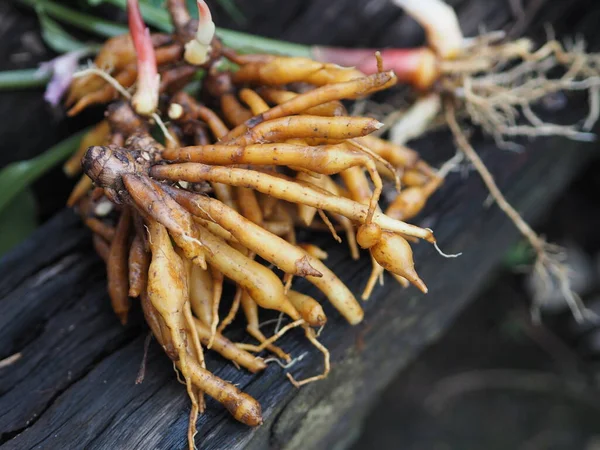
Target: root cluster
pixel 499 85
pixel 261 151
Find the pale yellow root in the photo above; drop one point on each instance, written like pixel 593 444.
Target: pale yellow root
pixel 272 339
pixel 228 349
pixel 217 282
pixel 235 306
pixel 201 291
pixel 286 189
pixel 310 335
pixel 251 312
pixel 254 101
pixel 393 253
pixel 168 293
pixel 310 310
pixel 289 258
pixel 277 130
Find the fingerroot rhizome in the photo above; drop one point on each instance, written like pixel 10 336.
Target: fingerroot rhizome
pixel 185 193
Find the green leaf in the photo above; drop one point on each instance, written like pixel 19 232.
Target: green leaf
pixel 78 19
pixel 17 220
pixel 243 42
pixel 55 36
pixel 17 176
pixel 159 17
pixel 233 10
pixel 26 78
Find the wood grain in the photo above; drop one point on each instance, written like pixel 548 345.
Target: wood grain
pixel 74 385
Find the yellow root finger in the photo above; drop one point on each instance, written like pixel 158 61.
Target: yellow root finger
pixel 314 250
pixel 228 349
pixel 277 130
pixel 289 258
pixel 310 310
pixel 286 189
pixel 241 406
pixel 256 104
pixel 393 253
pixel 279 96
pixel 201 291
pixel 331 92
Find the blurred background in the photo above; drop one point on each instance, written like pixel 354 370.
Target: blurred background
pixel 495 380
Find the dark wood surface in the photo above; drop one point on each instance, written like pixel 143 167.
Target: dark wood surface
pixel 74 386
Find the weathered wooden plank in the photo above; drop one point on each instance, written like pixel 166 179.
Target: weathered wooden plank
pixel 74 386
pixel 102 406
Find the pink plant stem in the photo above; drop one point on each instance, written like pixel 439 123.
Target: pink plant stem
pixel 145 99
pixel 416 66
pixel 204 15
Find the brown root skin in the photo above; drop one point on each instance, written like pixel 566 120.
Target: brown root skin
pixel 248 204
pixel 261 283
pixel 123 119
pixel 152 201
pixel 254 101
pixel 284 70
pixel 180 16
pixel 139 262
pixel 101 246
pixel 150 150
pixel 100 228
pixel 410 201
pixel 313 250
pixel 277 71
pixel 397 155
pixel 218 84
pixel 191 109
pixel 83 186
pixel 234 112
pixel 116 267
pixel 174 79
pixel 107 92
pixel 106 165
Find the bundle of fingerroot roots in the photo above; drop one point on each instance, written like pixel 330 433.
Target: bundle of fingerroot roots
pixel 184 192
